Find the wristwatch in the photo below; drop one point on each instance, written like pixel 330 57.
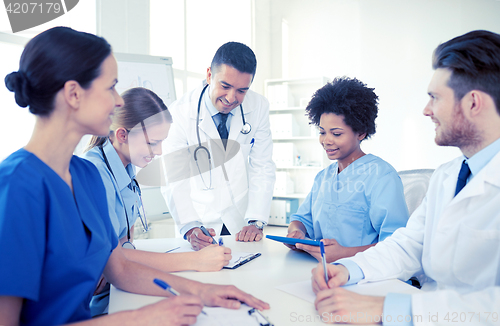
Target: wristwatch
pixel 258 224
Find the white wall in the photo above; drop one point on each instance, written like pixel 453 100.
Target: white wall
pixel 124 24
pixel 385 43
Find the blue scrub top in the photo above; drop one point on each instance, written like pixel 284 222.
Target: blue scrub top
pixel 119 194
pixel 55 243
pixel 359 206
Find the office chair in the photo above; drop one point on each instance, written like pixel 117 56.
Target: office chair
pixel 415 184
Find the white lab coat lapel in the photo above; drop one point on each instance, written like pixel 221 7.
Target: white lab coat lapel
pixel 236 125
pixel 237 122
pixel 476 186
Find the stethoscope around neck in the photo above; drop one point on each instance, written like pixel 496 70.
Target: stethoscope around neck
pixel 127 244
pixel 245 129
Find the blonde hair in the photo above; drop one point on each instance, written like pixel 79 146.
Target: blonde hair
pixel 141 104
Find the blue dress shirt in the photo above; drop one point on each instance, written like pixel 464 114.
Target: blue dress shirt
pixel 359 206
pixel 214 113
pixel 398 304
pixel 55 242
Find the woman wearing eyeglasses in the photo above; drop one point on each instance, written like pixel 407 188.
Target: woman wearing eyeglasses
pixel 137 131
pixel 55 232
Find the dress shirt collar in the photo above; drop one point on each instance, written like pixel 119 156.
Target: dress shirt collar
pixel 208 104
pixel 122 175
pixel 479 160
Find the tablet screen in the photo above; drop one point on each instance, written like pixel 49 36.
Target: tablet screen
pixel 293 241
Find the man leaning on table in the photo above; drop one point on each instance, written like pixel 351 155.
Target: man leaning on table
pixel 454 236
pixel 230 193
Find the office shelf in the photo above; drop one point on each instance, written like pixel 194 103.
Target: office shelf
pixel 297 153
pixel 295 138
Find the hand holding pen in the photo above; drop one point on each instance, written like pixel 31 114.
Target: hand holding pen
pixel 227 296
pixel 200 237
pixel 205 232
pixel 178 310
pixel 328 278
pixel 165 286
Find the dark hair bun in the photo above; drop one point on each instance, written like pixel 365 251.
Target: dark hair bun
pixel 18 83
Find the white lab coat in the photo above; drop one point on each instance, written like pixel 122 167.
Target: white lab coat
pixel 456 241
pixel 247 192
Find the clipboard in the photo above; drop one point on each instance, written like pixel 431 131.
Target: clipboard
pixel 263 321
pixel 244 316
pixel 240 259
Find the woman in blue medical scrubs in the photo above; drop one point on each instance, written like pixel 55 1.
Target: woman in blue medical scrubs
pixel 138 129
pixel 358 200
pixel 55 232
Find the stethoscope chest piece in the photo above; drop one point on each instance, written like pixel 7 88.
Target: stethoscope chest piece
pixel 246 128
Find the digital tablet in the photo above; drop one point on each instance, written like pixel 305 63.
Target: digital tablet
pixel 293 241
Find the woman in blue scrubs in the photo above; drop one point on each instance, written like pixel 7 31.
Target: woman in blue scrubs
pixel 138 129
pixel 358 200
pixel 55 230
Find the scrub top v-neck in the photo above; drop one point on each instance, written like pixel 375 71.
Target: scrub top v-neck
pixel 59 241
pixel 361 205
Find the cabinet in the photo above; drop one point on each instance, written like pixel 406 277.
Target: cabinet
pixel 296 150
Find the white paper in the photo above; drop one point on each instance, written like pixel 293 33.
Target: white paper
pixel 303 289
pixel 236 257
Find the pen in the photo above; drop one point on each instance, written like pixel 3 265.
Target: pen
pixel 221 242
pixel 252 142
pixel 164 285
pixel 322 247
pixel 172 250
pixel 205 232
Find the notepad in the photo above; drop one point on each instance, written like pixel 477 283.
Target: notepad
pixel 238 258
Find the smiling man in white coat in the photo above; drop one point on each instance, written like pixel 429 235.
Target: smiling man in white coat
pixel 220 174
pixel 454 236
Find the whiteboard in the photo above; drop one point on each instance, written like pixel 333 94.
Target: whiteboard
pixel 138 70
pixel 151 72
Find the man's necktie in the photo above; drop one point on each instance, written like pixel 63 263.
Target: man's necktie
pixel 222 128
pixel 462 177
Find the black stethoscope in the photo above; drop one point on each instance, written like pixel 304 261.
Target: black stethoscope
pixel 245 129
pixel 128 244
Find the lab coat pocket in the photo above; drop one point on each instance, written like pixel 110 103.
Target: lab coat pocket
pixel 245 150
pixel 477 256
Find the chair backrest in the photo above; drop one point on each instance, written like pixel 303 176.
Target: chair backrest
pixel 415 183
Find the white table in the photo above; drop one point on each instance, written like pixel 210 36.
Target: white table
pixel 277 266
